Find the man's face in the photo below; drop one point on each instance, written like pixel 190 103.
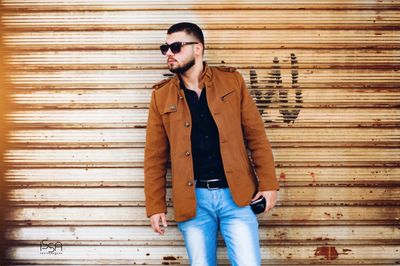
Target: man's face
pixel 182 61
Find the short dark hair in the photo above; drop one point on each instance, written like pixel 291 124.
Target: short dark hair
pixel 189 28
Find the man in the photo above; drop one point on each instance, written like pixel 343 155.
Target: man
pixel 205 120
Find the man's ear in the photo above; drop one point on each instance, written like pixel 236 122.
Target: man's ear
pixel 199 49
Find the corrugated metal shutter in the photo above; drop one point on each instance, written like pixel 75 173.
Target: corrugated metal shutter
pixel 325 76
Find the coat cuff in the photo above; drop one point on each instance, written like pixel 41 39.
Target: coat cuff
pixel 155 211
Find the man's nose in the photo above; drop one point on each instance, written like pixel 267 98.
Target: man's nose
pixel 169 52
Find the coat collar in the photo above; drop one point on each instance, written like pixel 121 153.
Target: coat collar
pixel 206 79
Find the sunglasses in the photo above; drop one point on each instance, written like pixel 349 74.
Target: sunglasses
pixel 175 47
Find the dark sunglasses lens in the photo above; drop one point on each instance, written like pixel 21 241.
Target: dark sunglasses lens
pixel 164 48
pixel 176 47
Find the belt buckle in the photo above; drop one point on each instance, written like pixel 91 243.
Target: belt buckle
pixel 208 184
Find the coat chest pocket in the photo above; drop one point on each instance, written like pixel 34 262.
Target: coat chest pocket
pixel 231 103
pixel 228 96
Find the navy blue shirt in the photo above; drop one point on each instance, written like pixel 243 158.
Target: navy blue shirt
pixel 207 161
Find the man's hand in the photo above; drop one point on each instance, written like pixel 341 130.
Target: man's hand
pixel 155 222
pixel 270 196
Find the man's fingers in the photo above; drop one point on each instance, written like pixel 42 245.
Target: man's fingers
pixel 164 220
pixel 270 196
pixel 155 223
pixel 257 196
pixel 160 231
pixel 269 206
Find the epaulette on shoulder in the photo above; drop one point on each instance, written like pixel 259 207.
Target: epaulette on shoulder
pixel 227 68
pixel 161 83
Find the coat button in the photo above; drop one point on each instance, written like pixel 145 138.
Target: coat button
pixel 187 153
pixel 190 183
pixel 180 97
pixel 187 124
pixel 173 107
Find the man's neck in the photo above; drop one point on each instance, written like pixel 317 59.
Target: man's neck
pixel 191 77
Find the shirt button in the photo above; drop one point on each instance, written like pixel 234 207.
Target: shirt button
pixel 190 183
pixel 187 153
pixel 206 136
pixel 209 157
pixel 187 124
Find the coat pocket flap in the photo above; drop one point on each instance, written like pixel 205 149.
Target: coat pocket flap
pixel 169 108
pixel 227 93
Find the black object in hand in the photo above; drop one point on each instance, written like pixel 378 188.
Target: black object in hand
pixel 258 205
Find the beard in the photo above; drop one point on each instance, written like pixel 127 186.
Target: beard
pixel 184 68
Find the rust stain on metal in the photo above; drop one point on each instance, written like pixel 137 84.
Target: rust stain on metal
pixel 313 177
pixel 169 258
pixel 346 250
pixel 281 235
pixel 139 126
pixel 321 239
pixel 330 253
pixel 282 175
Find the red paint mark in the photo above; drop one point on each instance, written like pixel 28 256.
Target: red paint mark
pixel 330 253
pixel 313 176
pixel 282 175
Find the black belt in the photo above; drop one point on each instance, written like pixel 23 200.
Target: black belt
pixel 212 183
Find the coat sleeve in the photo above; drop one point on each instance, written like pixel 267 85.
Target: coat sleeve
pixel 155 160
pixel 256 139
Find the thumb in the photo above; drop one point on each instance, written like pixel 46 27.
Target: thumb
pixel 256 196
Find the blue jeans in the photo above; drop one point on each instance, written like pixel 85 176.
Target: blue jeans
pixel 238 225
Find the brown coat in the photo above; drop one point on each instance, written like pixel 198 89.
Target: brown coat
pixel 239 125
